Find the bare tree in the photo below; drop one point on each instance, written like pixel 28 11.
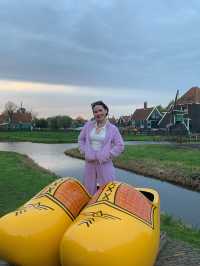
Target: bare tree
pixel 33 114
pixel 9 110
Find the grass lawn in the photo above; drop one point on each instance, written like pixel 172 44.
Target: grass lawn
pixel 177 164
pixel 62 137
pixel 72 136
pixel 21 179
pixel 143 137
pixel 40 137
pixel 187 159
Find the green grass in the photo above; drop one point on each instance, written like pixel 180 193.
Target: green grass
pixel 133 137
pixel 20 179
pixel 163 154
pixel 60 137
pixel 177 230
pixel 41 137
pixel 72 136
pixel 185 159
pixel 170 138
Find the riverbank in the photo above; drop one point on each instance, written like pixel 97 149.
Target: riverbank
pixel 175 164
pixel 21 178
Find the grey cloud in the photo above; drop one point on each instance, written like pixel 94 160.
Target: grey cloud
pixel 116 44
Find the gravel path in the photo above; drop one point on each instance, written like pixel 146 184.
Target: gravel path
pixel 176 253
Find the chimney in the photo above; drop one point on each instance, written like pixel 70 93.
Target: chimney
pixel 145 105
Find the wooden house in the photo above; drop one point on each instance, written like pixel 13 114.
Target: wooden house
pixel 185 115
pixel 146 118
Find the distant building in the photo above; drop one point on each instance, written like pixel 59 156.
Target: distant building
pixel 113 120
pixel 21 119
pixel 124 121
pixel 146 118
pixel 3 121
pixel 185 115
pixel 78 122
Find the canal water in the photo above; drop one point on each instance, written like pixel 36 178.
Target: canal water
pixel 179 202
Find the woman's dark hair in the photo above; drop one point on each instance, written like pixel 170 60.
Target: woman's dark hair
pixel 102 104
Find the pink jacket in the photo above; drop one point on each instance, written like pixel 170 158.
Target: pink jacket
pixel 99 167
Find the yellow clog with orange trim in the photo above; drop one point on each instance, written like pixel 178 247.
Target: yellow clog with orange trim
pixel 119 226
pixel 31 235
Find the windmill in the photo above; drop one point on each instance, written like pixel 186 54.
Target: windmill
pixel 173 111
pixel 177 118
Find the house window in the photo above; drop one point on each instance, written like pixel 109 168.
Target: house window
pixel 149 123
pixel 155 115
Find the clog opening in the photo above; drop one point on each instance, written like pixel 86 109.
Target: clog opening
pixel 148 195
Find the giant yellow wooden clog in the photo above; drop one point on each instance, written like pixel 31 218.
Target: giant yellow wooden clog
pixel 31 235
pixel 119 226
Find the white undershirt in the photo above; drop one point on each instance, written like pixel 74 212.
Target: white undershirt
pixel 97 138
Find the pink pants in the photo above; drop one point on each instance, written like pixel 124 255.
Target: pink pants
pixel 98 173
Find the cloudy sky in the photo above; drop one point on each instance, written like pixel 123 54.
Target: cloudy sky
pixel 59 56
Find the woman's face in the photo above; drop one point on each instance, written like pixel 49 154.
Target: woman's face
pixel 99 113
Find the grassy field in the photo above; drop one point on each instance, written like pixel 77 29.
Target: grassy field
pixel 21 178
pixel 62 137
pixel 40 137
pixel 176 164
pixel 167 155
pixel 72 136
pixel 171 138
pixel 133 137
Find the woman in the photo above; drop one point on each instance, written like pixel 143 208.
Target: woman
pixel 99 141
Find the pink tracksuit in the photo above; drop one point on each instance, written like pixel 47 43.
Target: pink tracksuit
pixel 101 170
